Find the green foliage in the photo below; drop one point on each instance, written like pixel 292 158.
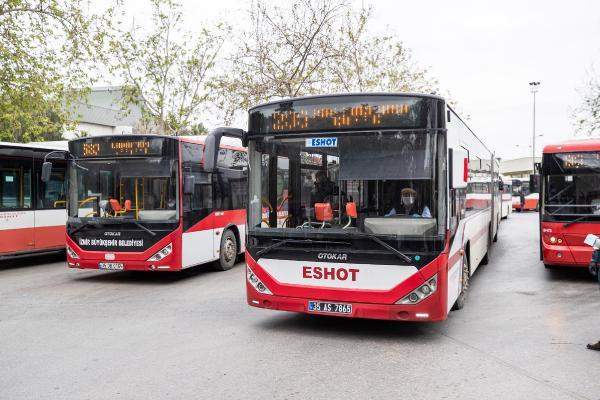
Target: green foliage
pixel 46 48
pixel 316 46
pixel 168 71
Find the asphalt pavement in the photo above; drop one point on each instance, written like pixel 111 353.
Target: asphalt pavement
pixel 71 334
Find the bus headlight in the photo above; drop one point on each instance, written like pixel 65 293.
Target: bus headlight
pixel 420 293
pixel 162 253
pixel 256 283
pixel 71 253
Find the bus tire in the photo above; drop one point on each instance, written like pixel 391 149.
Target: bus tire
pixel 464 284
pixel 228 251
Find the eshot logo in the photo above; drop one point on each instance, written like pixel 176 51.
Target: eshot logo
pixel 321 142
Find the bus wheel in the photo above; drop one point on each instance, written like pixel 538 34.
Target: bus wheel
pixel 464 284
pixel 228 253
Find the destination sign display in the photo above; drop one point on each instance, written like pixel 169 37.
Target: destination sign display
pixel 339 113
pixel 117 147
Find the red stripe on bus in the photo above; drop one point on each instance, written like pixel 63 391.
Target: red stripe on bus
pixel 219 219
pixel 30 239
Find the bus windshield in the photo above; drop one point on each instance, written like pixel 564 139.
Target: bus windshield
pixel 572 186
pixel 143 189
pixel 379 183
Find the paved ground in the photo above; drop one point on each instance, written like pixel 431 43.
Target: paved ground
pixel 70 334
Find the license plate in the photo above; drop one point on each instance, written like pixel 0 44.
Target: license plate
pixel 326 307
pixel 111 266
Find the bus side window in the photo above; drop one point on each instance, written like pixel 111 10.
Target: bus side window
pixel 52 194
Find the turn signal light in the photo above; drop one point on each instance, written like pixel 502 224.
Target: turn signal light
pixel 162 253
pixel 256 283
pixel 420 293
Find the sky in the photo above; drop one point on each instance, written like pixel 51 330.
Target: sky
pixel 484 53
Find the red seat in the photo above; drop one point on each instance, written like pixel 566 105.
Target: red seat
pixel 114 204
pixel 323 212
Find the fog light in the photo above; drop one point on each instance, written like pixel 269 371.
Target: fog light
pixel 552 239
pixel 559 240
pixel 559 255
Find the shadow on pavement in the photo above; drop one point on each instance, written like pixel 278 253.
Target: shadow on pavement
pixel 569 274
pixel 147 277
pixel 32 261
pixel 326 326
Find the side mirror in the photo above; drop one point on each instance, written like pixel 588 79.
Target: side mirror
pixel 459 168
pixel 188 184
pixel 46 171
pixel 213 142
pixel 500 186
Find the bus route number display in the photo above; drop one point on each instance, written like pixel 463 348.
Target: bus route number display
pixel 116 148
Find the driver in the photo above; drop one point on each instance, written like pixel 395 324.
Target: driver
pixel 408 197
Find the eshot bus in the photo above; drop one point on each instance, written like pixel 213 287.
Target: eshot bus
pixel 506 196
pixel 143 202
pixel 570 202
pixel 377 224
pixel 525 195
pixel 32 212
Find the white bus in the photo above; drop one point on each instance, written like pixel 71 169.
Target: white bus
pixel 32 212
pixel 374 187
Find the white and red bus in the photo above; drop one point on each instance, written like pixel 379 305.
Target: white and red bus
pixel 525 194
pixel 376 223
pixel 32 212
pixel 506 196
pixel 570 202
pixel 152 203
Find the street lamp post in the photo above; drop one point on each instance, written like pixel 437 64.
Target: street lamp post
pixel 534 86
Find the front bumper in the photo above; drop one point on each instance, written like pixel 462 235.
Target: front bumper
pixel 429 309
pixel 567 256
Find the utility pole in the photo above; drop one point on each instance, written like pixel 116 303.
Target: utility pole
pixel 534 86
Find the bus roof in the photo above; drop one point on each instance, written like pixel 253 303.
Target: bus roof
pixel 54 145
pixel 573 146
pixel 431 96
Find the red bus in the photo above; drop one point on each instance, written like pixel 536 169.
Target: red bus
pixel 146 202
pixel 357 206
pixel 570 203
pixel 525 194
pixel 32 212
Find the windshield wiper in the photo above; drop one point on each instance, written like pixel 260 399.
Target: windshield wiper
pixel 144 227
pixel 566 224
pixel 387 246
pixel 125 221
pixel 284 241
pixel 80 227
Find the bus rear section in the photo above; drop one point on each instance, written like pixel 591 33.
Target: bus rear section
pixel 32 212
pixel 146 203
pixel 350 212
pixel 570 206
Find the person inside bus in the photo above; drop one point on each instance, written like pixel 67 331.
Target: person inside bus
pixel 324 188
pixel 409 205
